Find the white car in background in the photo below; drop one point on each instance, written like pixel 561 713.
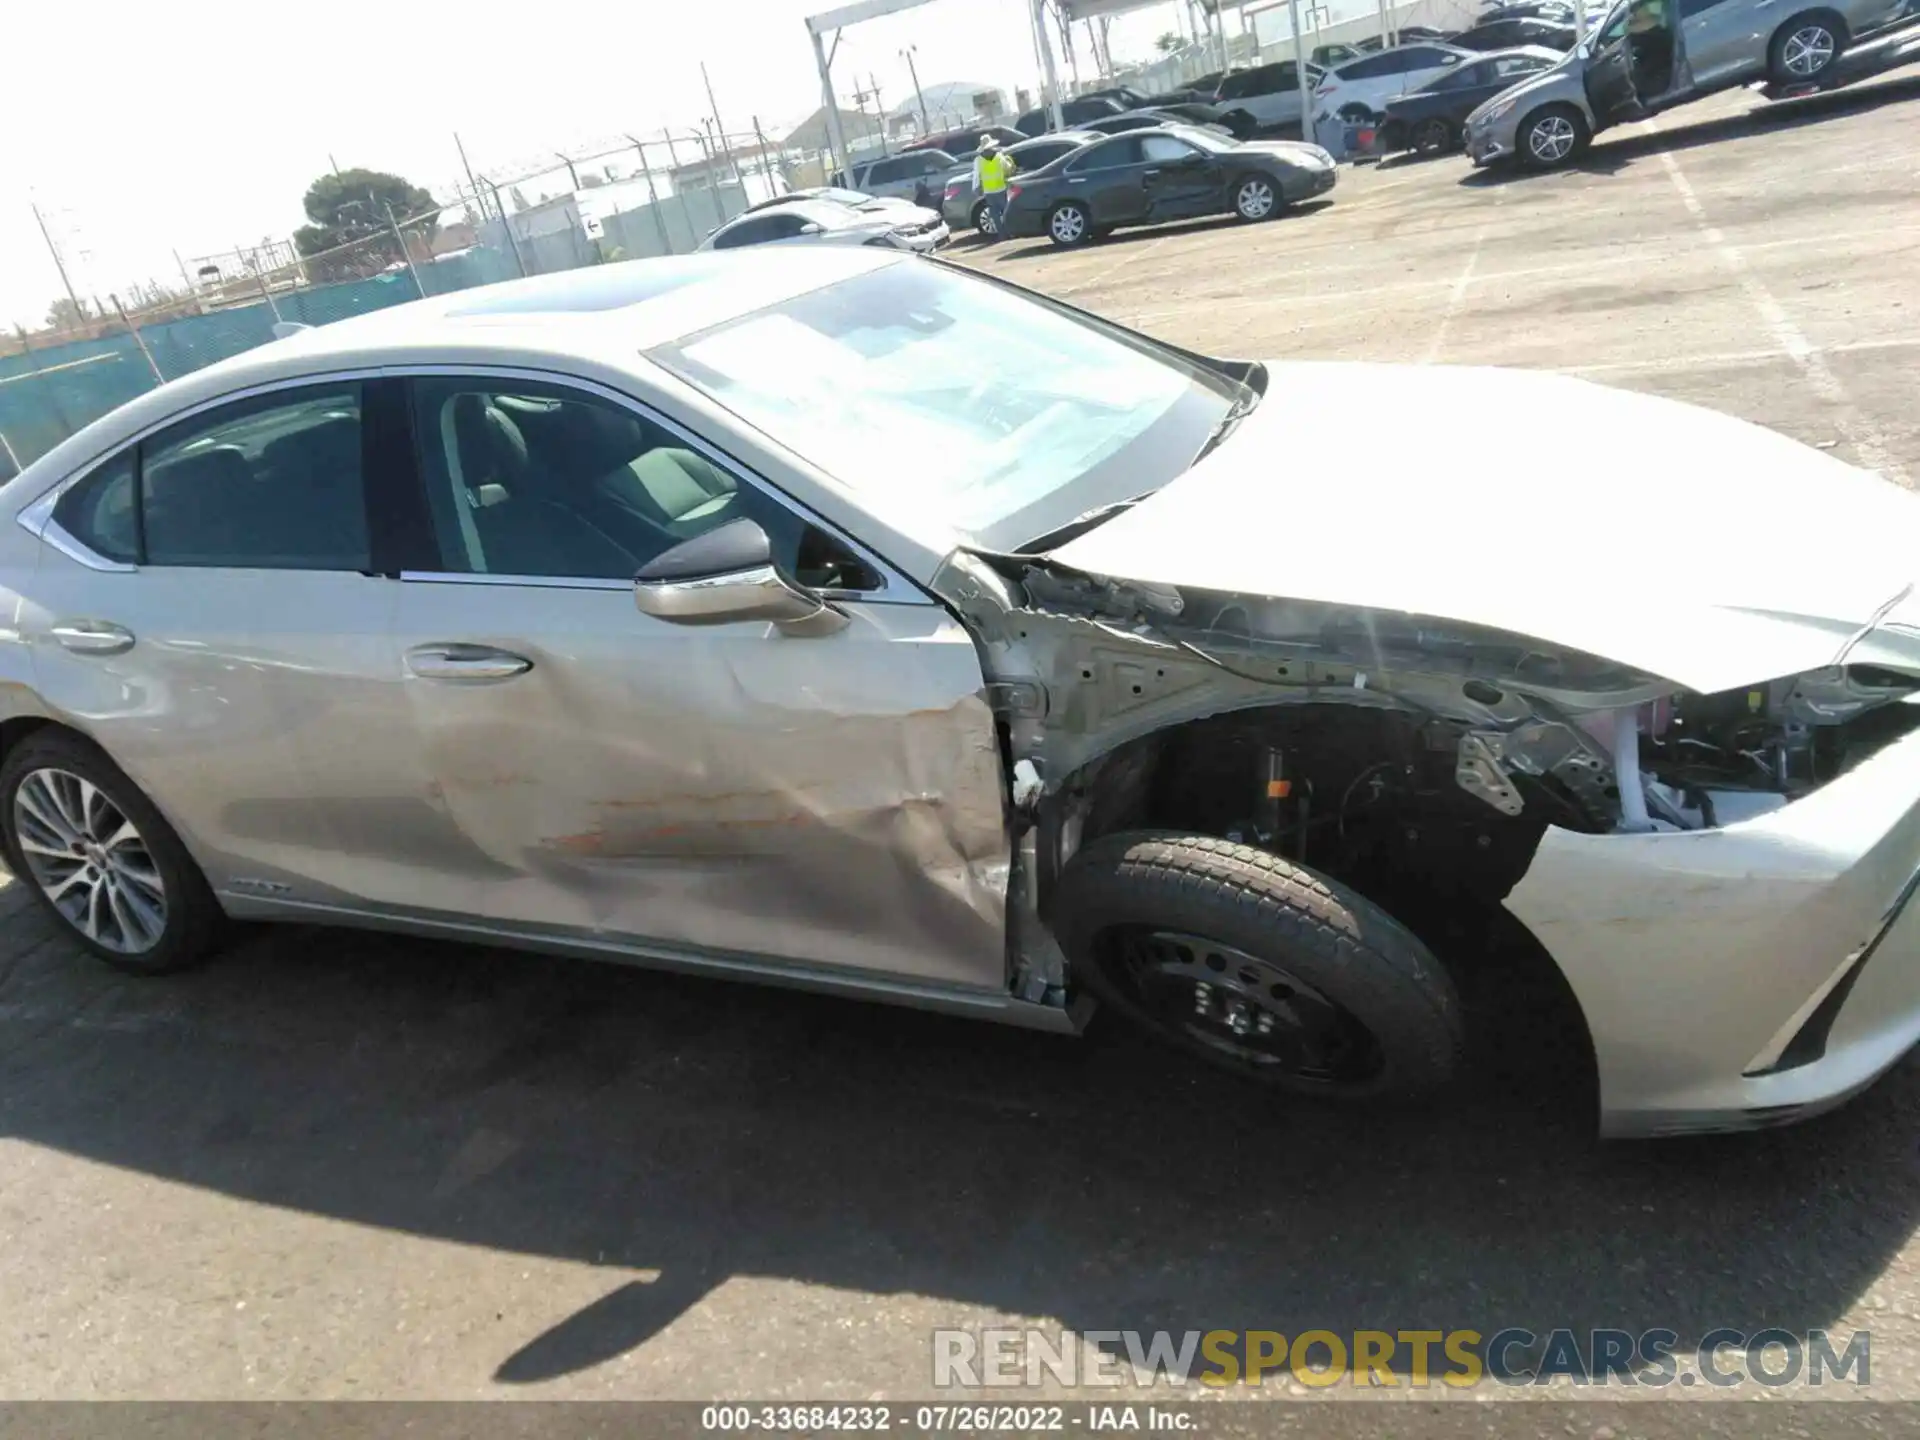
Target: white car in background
pixel 824 222
pixel 1367 84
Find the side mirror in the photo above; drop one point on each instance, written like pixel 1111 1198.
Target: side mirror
pixel 813 227
pixel 724 576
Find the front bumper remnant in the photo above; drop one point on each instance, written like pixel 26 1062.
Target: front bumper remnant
pixel 1743 976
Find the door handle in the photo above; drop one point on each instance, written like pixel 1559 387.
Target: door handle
pixel 466 662
pixel 93 637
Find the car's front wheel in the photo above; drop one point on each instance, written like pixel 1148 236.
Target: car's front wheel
pixel 1553 136
pixel 1070 224
pixel 1256 197
pixel 101 859
pixel 1257 965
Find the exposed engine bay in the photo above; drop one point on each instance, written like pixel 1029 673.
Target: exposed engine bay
pixel 1377 744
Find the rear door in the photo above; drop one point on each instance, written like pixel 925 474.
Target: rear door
pixel 1724 39
pixel 1609 75
pixel 730 792
pixel 216 613
pixel 1108 178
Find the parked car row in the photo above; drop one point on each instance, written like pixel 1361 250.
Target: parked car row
pixel 1647 56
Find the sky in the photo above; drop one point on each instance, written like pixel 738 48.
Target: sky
pixel 157 128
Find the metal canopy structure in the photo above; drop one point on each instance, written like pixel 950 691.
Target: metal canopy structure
pixel 832 22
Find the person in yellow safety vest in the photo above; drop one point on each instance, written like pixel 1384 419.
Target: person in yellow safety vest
pixel 991 168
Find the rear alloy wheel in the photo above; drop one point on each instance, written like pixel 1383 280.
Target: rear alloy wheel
pixel 1257 965
pixel 1552 137
pixel 984 220
pixel 1256 198
pixel 1069 224
pixel 1432 137
pixel 1803 49
pixel 102 859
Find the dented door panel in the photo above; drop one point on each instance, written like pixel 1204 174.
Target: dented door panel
pixel 834 800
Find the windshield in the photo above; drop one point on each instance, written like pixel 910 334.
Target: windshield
pixel 931 392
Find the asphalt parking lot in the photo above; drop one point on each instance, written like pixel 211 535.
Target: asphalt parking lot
pixel 338 1165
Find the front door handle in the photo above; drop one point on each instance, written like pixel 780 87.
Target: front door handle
pixel 466 662
pixel 93 637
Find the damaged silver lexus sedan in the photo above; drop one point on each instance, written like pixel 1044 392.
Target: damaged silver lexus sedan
pixel 846 620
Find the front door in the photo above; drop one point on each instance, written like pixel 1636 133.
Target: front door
pixel 723 791
pixel 1609 76
pixel 1181 179
pixel 214 615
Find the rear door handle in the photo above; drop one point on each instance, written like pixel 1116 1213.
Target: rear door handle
pixel 93 637
pixel 466 662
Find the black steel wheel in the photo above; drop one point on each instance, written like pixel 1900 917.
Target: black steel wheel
pixel 1257 965
pixel 1433 137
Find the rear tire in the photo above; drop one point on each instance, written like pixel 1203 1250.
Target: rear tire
pixel 984 222
pixel 1070 224
pixel 1552 137
pixel 101 860
pixel 1804 49
pixel 1433 137
pixel 1257 966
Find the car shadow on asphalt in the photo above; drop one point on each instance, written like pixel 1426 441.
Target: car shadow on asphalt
pixel 1031 249
pixel 1614 151
pixel 691 1131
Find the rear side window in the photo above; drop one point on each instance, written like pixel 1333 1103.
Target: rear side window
pixel 272 483
pixel 1371 68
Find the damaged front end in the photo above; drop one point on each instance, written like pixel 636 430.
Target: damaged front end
pixel 1420 760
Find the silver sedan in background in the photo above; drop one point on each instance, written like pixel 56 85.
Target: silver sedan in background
pixel 837 618
pixel 828 222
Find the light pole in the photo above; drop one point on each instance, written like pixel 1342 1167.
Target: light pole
pixel 926 125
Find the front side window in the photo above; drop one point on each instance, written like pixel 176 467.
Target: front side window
pixel 544 482
pixel 937 396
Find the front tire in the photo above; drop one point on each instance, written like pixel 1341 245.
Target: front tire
pixel 1256 198
pixel 1552 137
pixel 1257 965
pixel 1069 225
pixel 101 860
pixel 1804 49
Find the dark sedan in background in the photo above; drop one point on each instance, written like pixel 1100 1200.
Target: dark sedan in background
pixel 1173 173
pixel 1512 34
pixel 1432 119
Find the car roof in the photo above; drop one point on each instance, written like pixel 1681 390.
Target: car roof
pixel 606 315
pixel 1459 50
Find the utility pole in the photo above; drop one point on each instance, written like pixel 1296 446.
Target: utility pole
pixel 720 131
pixel 1049 77
pixel 860 98
pixel 472 184
pixel 79 313
pixel 1300 76
pixel 653 197
pixel 513 241
pixel 926 125
pixel 405 253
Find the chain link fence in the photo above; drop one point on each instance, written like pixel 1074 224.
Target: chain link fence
pixel 627 200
